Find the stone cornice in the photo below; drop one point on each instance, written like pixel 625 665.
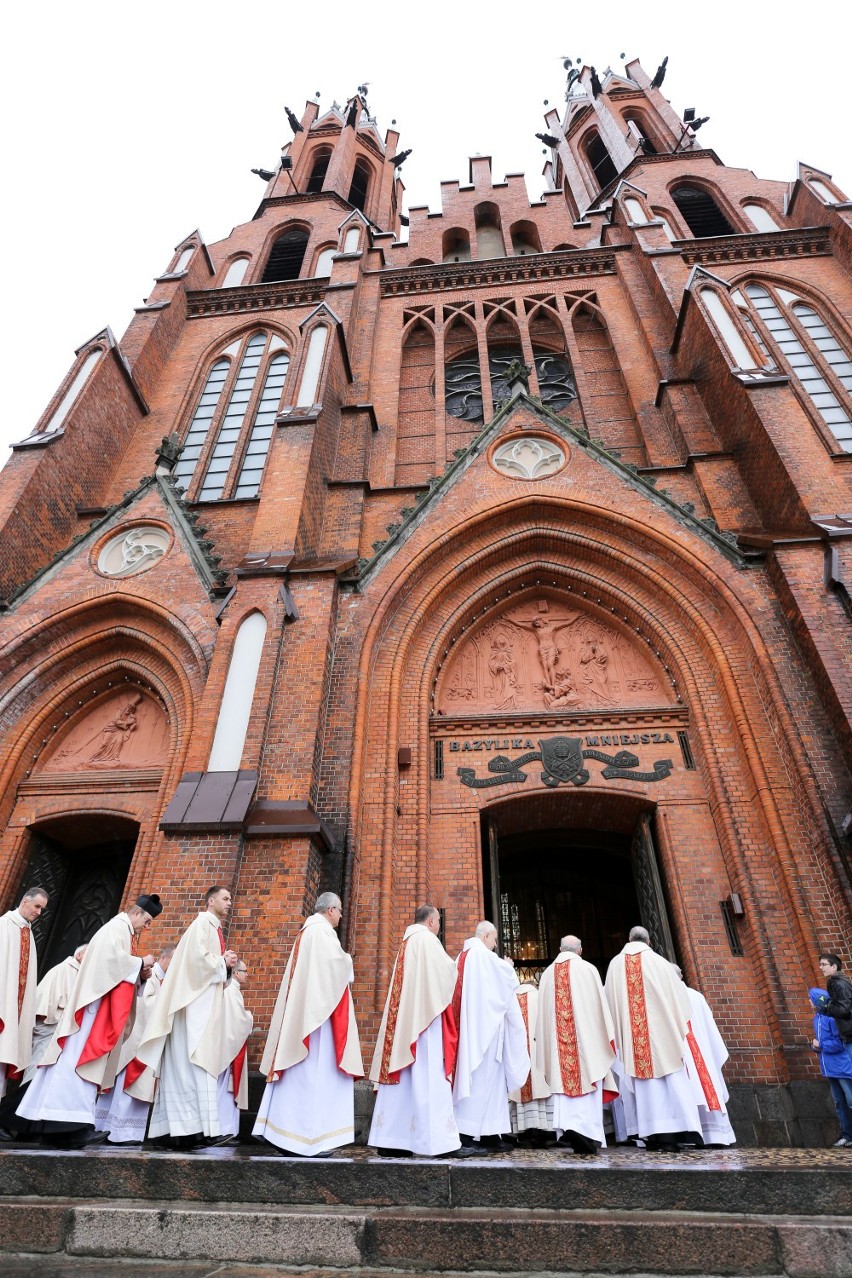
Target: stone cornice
pixel 807 241
pixel 300 197
pixel 255 297
pixel 599 719
pixel 568 263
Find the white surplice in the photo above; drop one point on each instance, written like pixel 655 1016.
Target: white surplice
pixel 417 1112
pixel 716 1127
pixel 492 1056
pixel 311 1107
pixel 16 1023
pixel 186 1102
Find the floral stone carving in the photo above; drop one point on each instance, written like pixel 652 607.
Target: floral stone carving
pixel 133 550
pixel 529 457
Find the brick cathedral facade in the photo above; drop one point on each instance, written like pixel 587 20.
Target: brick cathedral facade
pixel 503 565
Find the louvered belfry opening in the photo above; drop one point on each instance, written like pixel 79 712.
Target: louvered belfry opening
pixel 318 172
pixel 701 212
pixel 600 160
pixel 285 260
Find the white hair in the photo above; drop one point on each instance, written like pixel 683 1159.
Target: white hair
pixel 571 944
pixel 485 929
pixel 639 934
pixel 327 901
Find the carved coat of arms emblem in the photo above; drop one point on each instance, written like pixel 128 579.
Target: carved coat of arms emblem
pixel 562 758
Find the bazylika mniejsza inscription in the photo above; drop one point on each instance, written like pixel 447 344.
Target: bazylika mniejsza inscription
pixel 562 760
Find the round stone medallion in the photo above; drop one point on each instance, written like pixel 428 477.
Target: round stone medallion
pixel 133 550
pixel 529 457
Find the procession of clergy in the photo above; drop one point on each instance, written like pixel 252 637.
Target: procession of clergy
pixel 116 1045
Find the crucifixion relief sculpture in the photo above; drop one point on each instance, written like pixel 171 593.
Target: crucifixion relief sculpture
pixel 541 655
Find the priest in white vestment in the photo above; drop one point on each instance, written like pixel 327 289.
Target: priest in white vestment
pixel 650 1011
pixel 52 994
pixel 312 1054
pixel 122 1112
pixel 18 981
pixel 232 1081
pixel 705 1056
pixel 77 1063
pixel 531 1104
pixel 182 1042
pixel 575 1047
pixel 416 1048
pixel 492 1058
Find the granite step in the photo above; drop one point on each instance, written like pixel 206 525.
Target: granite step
pixel 769 1182
pixel 417 1240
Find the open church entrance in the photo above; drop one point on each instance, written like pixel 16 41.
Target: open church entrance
pixel 82 861
pixel 552 866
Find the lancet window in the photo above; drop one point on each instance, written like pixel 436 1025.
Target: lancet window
pixel 232 425
pixel 600 159
pixel 286 256
pixel 809 349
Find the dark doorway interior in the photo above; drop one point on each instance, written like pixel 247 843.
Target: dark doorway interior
pixel 555 882
pixel 83 862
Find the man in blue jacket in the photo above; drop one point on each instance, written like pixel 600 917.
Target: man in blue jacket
pixel 835 1065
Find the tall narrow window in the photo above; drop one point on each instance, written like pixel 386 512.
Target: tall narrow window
pixel 812 353
pixel 235 273
pixel 200 424
pixel 286 257
pixel 701 212
pixel 824 192
pixel 319 170
pixel 739 351
pixel 313 366
pixel 759 218
pixel 325 261
pixel 360 185
pixel 353 239
pixel 600 159
pixel 183 261
pixel 237 411
pixel 635 211
pixel 61 410
pixel 248 484
pixel 229 740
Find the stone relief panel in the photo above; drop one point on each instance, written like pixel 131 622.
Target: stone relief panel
pixel 127 730
pixel 133 550
pixel 542 655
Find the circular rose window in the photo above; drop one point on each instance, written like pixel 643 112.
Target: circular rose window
pixel 133 550
pixel 528 457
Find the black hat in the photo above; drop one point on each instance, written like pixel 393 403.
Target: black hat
pixel 150 904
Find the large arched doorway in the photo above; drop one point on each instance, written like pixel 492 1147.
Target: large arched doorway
pixel 559 864
pixel 82 860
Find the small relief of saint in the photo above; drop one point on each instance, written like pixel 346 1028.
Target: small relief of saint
pixel 501 667
pixel 106 746
pixel 594 672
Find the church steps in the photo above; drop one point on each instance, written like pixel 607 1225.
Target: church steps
pixel 416 1240
pixel 749 1214
pixel 755 1181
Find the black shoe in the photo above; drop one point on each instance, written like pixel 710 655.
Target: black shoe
pixel 464 1151
pixel 6 1135
pixel 94 1138
pixel 393 1153
pixel 499 1146
pixel 581 1144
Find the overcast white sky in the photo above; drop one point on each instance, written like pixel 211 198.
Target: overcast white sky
pixel 128 125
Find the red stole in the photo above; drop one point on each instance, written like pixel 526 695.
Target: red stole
pixel 643 1065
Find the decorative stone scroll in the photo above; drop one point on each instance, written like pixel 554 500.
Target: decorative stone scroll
pixel 528 457
pixel 562 760
pixel 543 655
pixel 133 550
pixel 127 730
